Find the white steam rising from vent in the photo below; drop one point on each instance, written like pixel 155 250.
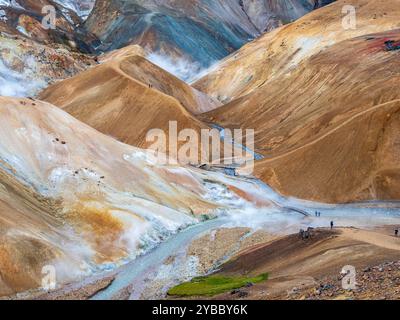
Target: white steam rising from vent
pixel 180 67
pixel 15 84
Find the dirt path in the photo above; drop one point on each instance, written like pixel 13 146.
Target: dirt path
pixel 372 237
pixel 331 131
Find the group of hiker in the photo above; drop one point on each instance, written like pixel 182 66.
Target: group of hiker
pixel 306 234
pixel 318 215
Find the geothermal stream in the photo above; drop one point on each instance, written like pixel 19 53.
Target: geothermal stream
pixel 151 275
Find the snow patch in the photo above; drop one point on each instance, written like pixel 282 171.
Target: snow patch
pixel 22 30
pixel 81 7
pixel 11 3
pixel 3 15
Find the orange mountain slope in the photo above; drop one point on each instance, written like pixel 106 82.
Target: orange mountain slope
pixel 281 51
pixel 328 130
pixel 127 96
pixel 74 199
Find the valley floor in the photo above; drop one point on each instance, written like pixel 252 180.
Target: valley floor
pixel 312 270
pixel 298 269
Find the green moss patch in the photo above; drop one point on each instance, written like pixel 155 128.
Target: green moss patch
pixel 213 285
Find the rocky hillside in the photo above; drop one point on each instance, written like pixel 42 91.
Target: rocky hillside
pixel 311 269
pixel 26 66
pixel 31 56
pixel 24 18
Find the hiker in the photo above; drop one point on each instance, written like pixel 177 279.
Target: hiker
pixel 316 213
pixel 309 232
pixel 396 232
pixel 331 225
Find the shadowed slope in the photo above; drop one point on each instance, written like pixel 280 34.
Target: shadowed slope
pixel 267 15
pixel 201 31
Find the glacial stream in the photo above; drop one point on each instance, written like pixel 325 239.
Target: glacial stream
pixel 283 218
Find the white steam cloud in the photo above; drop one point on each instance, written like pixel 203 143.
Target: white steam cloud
pixel 182 68
pixel 18 84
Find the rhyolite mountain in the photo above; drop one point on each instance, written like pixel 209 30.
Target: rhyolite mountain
pixel 202 31
pixel 324 103
pixel 77 199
